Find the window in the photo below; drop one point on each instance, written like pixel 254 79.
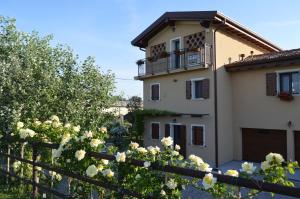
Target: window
pixel 197 91
pixel 175 58
pixel 155 90
pixel 290 82
pixel 198 135
pixel 155 130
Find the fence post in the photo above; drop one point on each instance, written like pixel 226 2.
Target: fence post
pixel 8 164
pixel 34 172
pixel 22 156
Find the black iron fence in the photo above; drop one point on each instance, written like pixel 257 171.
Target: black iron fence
pixel 236 181
pixel 168 61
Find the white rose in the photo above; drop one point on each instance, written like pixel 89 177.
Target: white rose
pixel 196 160
pixel 95 143
pixel 162 193
pixel 177 147
pixel 265 165
pixel 58 177
pixel 120 157
pixel 233 173
pixel 37 123
pixel 108 173
pixel 91 171
pixel 65 139
pixel 167 141
pixel 16 165
pixel 56 153
pixel 20 125
pixel 208 181
pixel 147 164
pixel 68 160
pixel 54 118
pixel 134 145
pixel 23 134
pixel 274 157
pixel 175 153
pixel 47 122
pixel 76 128
pixel 100 167
pixel 152 150
pixel 141 150
pixel 103 130
pixel 80 154
pixel 104 161
pixel 204 167
pixel 248 168
pixel 56 124
pixel 88 134
pixel 171 184
pixel 30 132
pixel 67 125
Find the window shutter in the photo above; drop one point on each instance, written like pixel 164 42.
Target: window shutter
pixel 155 92
pixel 188 89
pixel 207 55
pixel 155 131
pixel 205 88
pixel 271 83
pixel 167 130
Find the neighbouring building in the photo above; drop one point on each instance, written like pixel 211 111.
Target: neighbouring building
pixel 235 94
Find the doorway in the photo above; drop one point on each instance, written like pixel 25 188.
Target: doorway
pixel 175 57
pixel 178 133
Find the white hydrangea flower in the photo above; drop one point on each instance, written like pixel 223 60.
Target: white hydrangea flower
pixel 147 164
pixel 232 172
pixel 108 173
pixel 104 161
pixel 274 157
pixel 91 171
pixel 265 165
pixel 120 157
pixel 95 142
pixel 133 145
pixel 80 154
pixel 171 184
pixel 208 181
pixel 167 141
pixel 247 167
pixel 20 125
pixel 141 150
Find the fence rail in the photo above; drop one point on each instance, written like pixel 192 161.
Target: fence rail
pixel 236 181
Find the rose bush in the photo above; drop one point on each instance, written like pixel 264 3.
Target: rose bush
pixel 75 145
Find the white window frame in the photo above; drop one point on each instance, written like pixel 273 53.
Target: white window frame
pixel 278 78
pixel 193 87
pixel 159 131
pixel 158 91
pixel 171 51
pixel 204 134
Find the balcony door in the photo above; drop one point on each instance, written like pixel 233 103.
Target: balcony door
pixel 178 133
pixel 175 57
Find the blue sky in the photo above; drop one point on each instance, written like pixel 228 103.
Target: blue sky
pixel 104 28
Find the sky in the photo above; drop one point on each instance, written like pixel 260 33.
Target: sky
pixel 104 28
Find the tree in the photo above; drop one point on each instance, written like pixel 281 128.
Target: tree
pixel 135 103
pixel 38 80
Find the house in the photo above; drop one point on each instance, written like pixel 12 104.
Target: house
pixel 222 80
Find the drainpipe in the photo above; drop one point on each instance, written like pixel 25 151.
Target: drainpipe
pixel 216 95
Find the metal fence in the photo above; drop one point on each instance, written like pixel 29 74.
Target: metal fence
pixel 235 181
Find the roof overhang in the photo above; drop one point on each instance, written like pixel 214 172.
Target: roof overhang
pixel 213 17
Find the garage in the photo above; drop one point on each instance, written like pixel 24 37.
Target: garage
pixel 257 143
pixel 297 145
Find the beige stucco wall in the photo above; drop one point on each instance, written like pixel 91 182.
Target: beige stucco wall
pixel 228 46
pixel 253 109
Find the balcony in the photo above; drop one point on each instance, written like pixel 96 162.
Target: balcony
pixel 176 61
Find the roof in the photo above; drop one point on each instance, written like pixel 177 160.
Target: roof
pixel 214 17
pixel 275 59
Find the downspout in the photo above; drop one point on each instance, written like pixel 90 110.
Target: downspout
pixel 216 96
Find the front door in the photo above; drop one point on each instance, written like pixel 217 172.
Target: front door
pixel 179 136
